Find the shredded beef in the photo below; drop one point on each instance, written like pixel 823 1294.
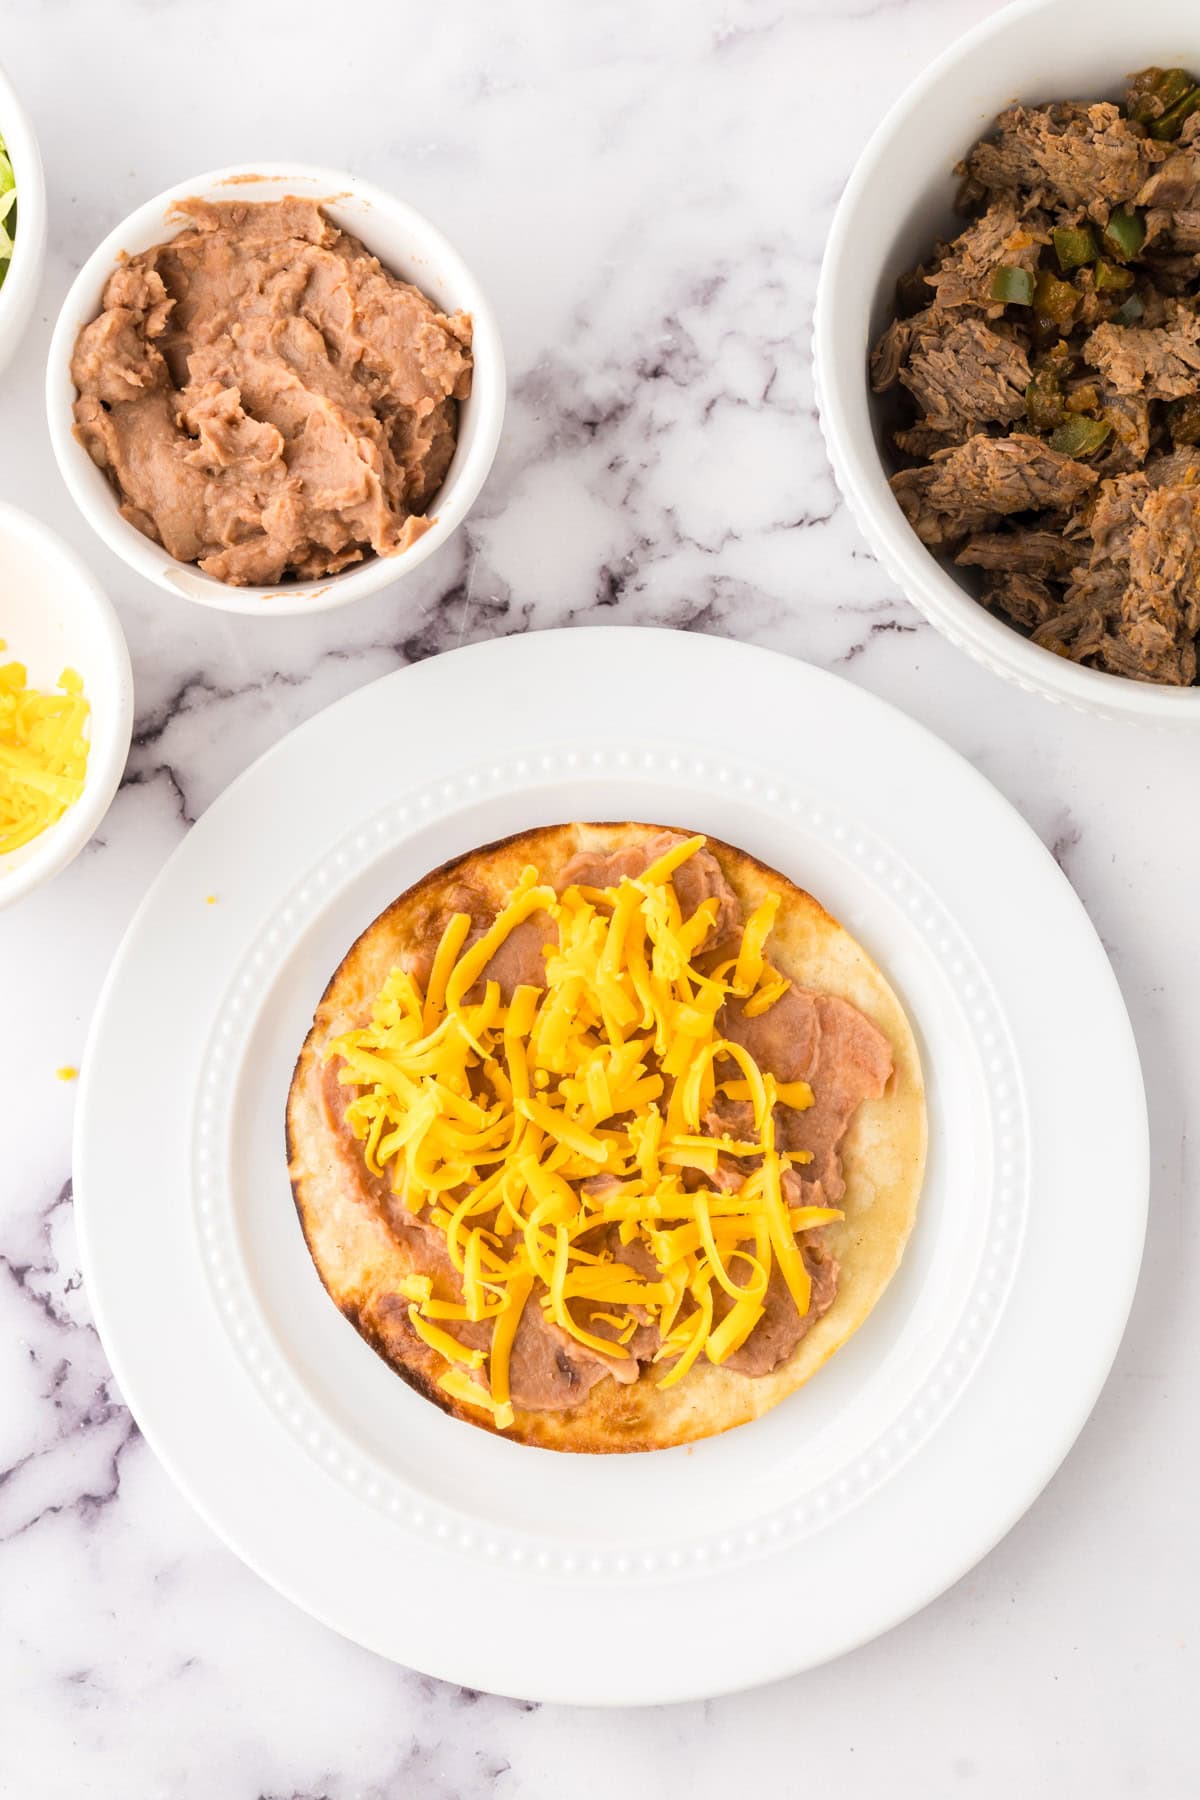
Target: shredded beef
pixel 1129 446
pixel 1162 364
pixel 1134 608
pixel 1026 599
pixel 1023 551
pixel 1184 234
pixel 1078 156
pixel 967 374
pixel 1172 187
pixel 971 487
pixel 922 441
pixel 1000 237
pixel 1173 467
pixel 890 353
pixel 1160 610
pixel 1042 379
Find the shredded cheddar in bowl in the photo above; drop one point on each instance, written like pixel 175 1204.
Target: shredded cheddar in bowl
pixel 43 752
pixel 525 1127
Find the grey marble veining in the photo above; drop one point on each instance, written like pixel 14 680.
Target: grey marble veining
pixel 644 190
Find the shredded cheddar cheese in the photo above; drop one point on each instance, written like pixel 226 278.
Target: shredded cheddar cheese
pixel 43 753
pixel 547 1136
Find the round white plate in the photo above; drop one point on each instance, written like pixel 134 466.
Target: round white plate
pixel 748 1556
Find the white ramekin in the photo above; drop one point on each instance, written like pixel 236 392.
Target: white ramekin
pixel 897 201
pixel 406 244
pixel 24 276
pixel 54 615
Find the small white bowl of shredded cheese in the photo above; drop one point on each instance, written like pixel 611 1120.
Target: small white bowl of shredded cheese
pixel 55 621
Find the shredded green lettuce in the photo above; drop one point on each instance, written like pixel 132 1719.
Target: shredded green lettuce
pixel 8 209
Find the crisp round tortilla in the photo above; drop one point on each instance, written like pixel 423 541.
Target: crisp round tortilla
pixel 883 1156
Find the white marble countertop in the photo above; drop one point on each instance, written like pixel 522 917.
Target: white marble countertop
pixel 644 189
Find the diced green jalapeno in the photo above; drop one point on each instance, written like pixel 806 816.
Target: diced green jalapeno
pixel 1125 233
pixel 1084 399
pixel 1152 92
pixel 8 210
pixel 1011 287
pixel 1079 436
pixel 1129 312
pixel 1044 404
pixel 1074 245
pixel 1112 280
pixel 1053 300
pixel 1175 118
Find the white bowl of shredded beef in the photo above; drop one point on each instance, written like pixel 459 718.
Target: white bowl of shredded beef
pixel 1007 350
pixel 275 390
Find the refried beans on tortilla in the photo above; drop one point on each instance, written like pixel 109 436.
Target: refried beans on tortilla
pixel 265 398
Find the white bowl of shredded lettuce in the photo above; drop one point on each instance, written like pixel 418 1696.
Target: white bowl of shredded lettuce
pixel 22 219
